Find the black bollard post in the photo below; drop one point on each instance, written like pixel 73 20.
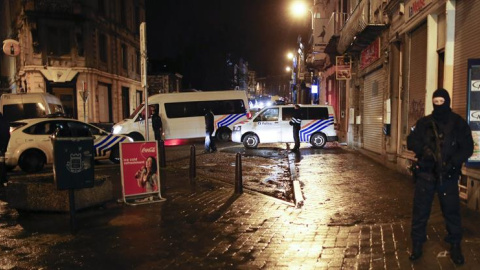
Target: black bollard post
pixel 163 164
pixel 161 150
pixel 193 165
pixel 238 174
pixel 3 169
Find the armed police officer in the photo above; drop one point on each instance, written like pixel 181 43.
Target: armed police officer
pixel 296 121
pixel 442 142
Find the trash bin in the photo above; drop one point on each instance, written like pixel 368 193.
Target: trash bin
pixel 73 162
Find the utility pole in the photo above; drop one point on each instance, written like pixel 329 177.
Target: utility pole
pixel 143 53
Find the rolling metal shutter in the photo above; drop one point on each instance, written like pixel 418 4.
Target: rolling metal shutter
pixel 373 111
pixel 417 74
pixel 466 46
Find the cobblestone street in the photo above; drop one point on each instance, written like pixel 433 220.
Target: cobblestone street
pixel 356 215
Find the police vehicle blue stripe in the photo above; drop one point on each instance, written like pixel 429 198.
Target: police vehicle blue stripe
pixel 107 143
pixel 230 119
pixel 111 145
pixel 106 147
pixel 305 134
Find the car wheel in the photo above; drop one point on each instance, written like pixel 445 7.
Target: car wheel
pixel 223 134
pixel 136 137
pixel 115 155
pixel 318 140
pixel 31 161
pixel 251 141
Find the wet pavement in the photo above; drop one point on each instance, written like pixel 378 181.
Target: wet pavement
pixel 355 215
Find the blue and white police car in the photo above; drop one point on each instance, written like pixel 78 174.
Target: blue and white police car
pixel 30 145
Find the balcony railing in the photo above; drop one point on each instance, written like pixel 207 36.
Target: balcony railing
pixel 362 27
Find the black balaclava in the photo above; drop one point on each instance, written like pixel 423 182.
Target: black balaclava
pixel 440 112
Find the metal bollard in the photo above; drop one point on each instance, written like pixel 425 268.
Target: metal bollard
pixel 163 164
pixel 238 175
pixel 161 150
pixel 3 169
pixel 193 165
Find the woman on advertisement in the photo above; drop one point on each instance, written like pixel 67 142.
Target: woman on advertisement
pixel 147 177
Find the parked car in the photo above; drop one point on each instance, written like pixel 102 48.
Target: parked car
pixel 30 145
pixel 271 125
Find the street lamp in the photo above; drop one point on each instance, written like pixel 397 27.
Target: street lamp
pixel 299 8
pixel 288 69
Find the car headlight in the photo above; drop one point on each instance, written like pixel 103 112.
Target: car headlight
pixel 117 129
pixel 237 128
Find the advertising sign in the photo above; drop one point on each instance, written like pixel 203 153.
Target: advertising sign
pixel 473 107
pixel 11 47
pixel 343 68
pixel 414 7
pixel 140 168
pixel 370 54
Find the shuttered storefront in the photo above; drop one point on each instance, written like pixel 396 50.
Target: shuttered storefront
pixel 467 42
pixel 417 74
pixel 373 111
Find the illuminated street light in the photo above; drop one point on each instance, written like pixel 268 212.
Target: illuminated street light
pixel 288 69
pixel 290 55
pixel 299 8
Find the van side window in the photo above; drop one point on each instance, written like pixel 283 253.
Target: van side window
pixel 33 110
pixel 195 108
pixel 317 113
pixel 268 115
pixel 287 113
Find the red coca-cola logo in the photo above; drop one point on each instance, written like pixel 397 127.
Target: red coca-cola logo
pixel 148 150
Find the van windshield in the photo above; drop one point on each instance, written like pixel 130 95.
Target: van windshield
pixel 56 108
pixel 139 108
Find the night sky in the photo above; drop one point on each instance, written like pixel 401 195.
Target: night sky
pixel 194 37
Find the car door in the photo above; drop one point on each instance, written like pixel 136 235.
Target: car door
pixel 287 129
pixel 267 125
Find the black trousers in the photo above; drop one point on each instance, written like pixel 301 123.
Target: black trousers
pixel 448 196
pixel 209 142
pixel 296 137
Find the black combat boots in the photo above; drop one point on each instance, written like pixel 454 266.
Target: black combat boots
pixel 456 254
pixel 417 251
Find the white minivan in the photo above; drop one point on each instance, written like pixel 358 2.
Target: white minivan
pixel 182 115
pixel 29 105
pixel 271 125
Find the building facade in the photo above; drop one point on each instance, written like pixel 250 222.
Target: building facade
pixel 382 62
pixel 85 52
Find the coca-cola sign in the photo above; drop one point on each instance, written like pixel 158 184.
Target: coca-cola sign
pixel 148 150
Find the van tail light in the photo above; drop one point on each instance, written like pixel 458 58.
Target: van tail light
pixel 249 115
pixel 336 126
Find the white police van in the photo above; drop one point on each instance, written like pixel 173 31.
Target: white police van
pixel 271 125
pixel 183 116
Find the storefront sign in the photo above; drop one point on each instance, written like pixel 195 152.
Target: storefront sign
pixel 11 47
pixel 413 7
pixel 343 68
pixel 139 167
pixel 370 54
pixel 473 108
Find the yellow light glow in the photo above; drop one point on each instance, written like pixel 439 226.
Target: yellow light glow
pixel 299 8
pixel 288 69
pixel 290 55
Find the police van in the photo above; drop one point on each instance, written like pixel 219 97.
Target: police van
pixel 271 125
pixel 182 115
pixel 29 105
